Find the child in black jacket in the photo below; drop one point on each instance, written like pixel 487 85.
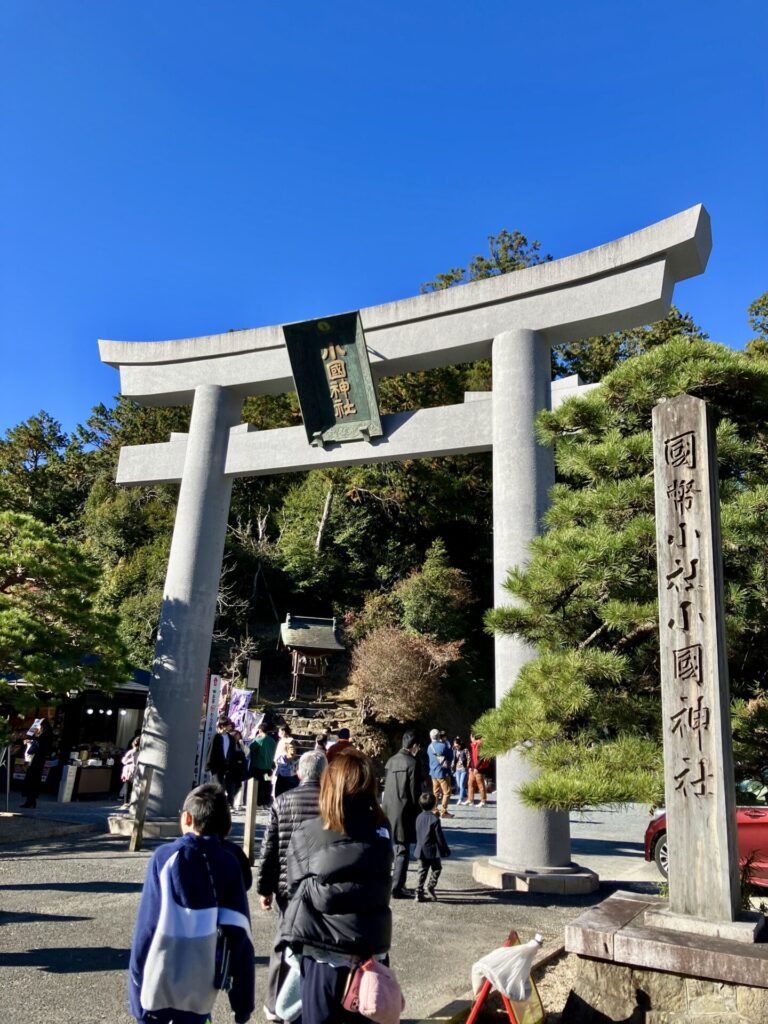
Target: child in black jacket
pixel 430 846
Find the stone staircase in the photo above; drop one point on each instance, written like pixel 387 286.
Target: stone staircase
pixel 307 718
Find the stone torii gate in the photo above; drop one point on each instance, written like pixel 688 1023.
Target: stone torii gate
pixel 514 319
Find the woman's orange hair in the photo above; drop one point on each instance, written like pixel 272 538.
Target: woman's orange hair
pixel 349 779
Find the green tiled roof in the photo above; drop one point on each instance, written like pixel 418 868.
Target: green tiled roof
pixel 309 633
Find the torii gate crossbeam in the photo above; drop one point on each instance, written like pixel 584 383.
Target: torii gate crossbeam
pixel 514 319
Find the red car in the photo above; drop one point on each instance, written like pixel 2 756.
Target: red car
pixel 752 831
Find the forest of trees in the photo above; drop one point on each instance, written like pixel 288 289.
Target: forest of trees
pixel 401 553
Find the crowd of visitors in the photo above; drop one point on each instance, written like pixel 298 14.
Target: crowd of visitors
pixel 332 857
pixel 334 853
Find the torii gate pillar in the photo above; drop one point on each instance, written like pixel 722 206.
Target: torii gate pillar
pixel 183 643
pixel 514 319
pixel 521 370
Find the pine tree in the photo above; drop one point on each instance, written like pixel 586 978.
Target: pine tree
pixel 52 637
pixel 588 709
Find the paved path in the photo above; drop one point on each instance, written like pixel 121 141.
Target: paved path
pixel 69 901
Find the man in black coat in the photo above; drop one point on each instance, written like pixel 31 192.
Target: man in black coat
pixel 288 811
pixel 402 789
pixel 222 759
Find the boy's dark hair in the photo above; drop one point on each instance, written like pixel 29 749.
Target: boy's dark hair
pixel 427 801
pixel 409 739
pixel 209 810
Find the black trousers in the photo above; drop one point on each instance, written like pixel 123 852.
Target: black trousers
pixel 230 783
pixel 322 992
pixel 400 871
pixel 33 780
pixel 427 864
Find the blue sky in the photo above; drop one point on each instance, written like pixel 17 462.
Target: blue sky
pixel 182 168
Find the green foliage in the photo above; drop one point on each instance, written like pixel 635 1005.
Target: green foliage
pixel 758 316
pixel 758 321
pixel 432 601
pixel 587 599
pixel 328 556
pixel 627 769
pixel 41 471
pixel 128 532
pixel 409 639
pixel 594 358
pixel 750 735
pixel 435 600
pixel 507 251
pixel 49 622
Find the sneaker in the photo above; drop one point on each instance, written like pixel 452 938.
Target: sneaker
pixel 432 894
pixel 420 898
pixel 447 814
pixel 402 894
pixel 482 804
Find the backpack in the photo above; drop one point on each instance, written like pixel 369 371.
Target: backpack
pixel 441 759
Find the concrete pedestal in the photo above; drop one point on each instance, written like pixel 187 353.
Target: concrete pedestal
pixel 157 828
pixel 558 881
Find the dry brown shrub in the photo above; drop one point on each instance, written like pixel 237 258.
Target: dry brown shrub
pixel 396 674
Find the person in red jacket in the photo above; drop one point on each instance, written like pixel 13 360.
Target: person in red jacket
pixel 480 766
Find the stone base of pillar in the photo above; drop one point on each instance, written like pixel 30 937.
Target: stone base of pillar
pixel 745 929
pixel 156 828
pixel 627 970
pixel 571 881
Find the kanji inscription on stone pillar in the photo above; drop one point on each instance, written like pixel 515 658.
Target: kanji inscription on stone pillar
pixel 698 761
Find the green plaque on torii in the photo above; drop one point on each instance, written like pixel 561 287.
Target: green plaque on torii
pixel 329 361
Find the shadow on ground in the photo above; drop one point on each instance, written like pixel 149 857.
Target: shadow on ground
pixel 66 960
pixel 26 917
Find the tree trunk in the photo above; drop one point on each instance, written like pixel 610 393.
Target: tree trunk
pixel 324 519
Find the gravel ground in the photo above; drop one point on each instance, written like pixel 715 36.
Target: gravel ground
pixel 69 903
pixel 554 982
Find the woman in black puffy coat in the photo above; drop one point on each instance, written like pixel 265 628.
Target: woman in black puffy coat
pixel 339 880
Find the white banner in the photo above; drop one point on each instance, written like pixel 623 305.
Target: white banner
pixel 207 729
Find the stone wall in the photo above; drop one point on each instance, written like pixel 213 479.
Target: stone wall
pixel 620 994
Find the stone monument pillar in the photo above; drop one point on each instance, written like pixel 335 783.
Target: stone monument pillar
pixel 189 601
pixel 704 889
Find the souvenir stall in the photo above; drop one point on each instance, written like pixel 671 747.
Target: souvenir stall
pixel 96 730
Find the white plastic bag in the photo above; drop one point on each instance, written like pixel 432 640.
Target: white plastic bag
pixel 508 969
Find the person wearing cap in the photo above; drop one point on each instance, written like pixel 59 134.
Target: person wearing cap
pixel 440 757
pixel 343 741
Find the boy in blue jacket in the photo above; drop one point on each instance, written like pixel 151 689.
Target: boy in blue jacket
pixel 430 847
pixel 193 888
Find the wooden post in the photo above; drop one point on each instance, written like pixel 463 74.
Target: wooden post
pixel 698 760
pixel 134 845
pixel 249 835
